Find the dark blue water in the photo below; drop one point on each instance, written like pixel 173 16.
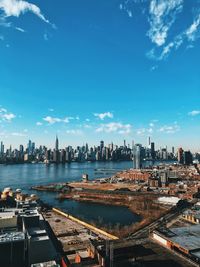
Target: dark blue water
pixel 26 175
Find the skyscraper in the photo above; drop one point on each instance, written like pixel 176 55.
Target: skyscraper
pixel 101 145
pixel 187 158
pixel 29 146
pixel 2 148
pixel 124 143
pixel 153 150
pixel 21 150
pixel 180 155
pixel 57 144
pixel 137 157
pixel 149 142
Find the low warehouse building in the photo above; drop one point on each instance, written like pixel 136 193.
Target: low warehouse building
pixel 185 240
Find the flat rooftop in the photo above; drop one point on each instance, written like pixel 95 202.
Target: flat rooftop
pixel 7 214
pixel 11 237
pixel 160 256
pixel 187 237
pixel 72 235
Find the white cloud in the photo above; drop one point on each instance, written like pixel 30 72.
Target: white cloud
pixel 194 113
pixel 51 109
pixel 175 44
pixel 190 34
pixel 145 131
pixel 166 50
pixel 52 120
pixel 151 124
pixel 18 134
pixel 87 126
pixel 2 133
pixel 102 116
pixel 141 131
pixel 130 13
pixel 18 7
pixel 193 29
pixel 46 37
pixel 4 22
pixel 74 132
pixel 162 16
pixel 3 110
pixel 6 116
pixel 19 29
pixel 120 6
pixel 39 123
pixel 153 68
pixel 114 127
pixel 169 129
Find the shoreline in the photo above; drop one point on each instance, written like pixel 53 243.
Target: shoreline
pixel 146 215
pixel 141 205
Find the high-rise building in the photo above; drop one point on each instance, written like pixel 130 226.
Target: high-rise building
pixel 164 153
pixel 137 157
pixel 153 150
pixel 133 144
pixel 33 148
pixel 86 147
pixel 56 156
pixel 21 150
pixel 101 145
pixel 2 148
pixel 187 158
pixel 149 142
pixel 124 143
pixel 63 156
pixel 180 155
pixel 29 147
pixel 48 155
pixel 57 144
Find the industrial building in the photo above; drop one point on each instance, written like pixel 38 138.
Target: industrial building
pixel 185 240
pixel 192 216
pixel 24 237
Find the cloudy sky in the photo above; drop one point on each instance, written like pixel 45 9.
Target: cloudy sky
pixel 91 70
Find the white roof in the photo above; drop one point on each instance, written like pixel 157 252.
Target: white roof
pixel 169 200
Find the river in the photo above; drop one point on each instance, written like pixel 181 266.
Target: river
pixel 26 175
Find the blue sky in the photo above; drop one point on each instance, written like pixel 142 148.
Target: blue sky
pixel 91 70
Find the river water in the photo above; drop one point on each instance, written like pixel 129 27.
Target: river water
pixel 26 175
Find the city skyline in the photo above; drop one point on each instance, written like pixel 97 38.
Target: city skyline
pixel 100 71
pixel 135 152
pixel 61 144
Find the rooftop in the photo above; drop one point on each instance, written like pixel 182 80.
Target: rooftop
pixel 11 237
pixel 187 237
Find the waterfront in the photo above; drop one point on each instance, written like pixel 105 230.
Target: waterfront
pixel 26 175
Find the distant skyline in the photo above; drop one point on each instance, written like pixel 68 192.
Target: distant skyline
pixel 100 70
